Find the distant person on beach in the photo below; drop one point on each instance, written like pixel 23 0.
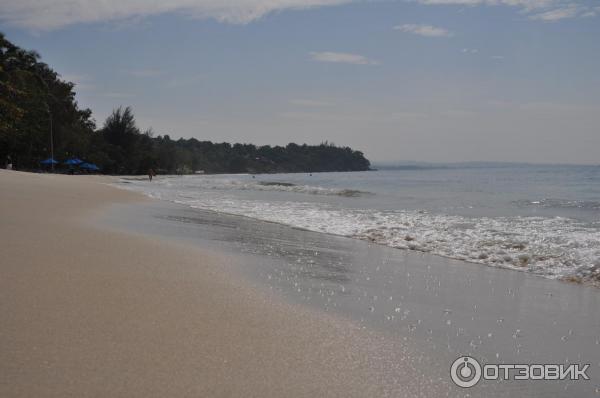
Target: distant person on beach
pixel 151 174
pixel 9 165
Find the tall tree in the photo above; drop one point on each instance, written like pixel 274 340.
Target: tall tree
pixel 35 102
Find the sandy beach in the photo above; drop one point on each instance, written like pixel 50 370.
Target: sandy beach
pixel 440 308
pixel 299 198
pixel 85 311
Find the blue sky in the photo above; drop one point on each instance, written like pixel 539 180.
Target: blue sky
pixel 502 80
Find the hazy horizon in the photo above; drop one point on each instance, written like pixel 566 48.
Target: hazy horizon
pixel 405 162
pixel 428 80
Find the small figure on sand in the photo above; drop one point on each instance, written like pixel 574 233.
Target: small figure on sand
pixel 9 165
pixel 151 174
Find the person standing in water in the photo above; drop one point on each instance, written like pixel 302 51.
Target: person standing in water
pixel 150 174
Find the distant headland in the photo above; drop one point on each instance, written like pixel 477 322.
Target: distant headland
pixel 42 125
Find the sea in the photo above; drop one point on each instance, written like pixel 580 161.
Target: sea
pixel 540 219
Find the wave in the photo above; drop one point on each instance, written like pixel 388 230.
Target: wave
pixel 552 247
pixel 560 204
pixel 308 189
pixel 555 247
pixel 231 184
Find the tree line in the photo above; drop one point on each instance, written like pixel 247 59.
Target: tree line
pixel 35 100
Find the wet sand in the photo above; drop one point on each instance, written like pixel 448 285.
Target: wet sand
pixel 90 311
pixel 438 307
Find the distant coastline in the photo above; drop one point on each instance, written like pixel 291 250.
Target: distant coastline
pixel 417 165
pixel 44 129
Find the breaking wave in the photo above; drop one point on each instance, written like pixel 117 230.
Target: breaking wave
pixel 232 184
pixel 555 247
pixel 560 204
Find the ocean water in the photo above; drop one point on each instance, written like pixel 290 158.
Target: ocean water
pixel 539 219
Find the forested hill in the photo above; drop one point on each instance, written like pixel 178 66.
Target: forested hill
pixel 34 101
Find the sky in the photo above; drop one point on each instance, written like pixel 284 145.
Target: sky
pixel 418 80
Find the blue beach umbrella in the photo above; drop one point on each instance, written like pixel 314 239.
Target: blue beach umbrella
pixel 89 166
pixel 49 161
pixel 73 162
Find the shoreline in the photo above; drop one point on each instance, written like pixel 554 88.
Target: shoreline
pixel 444 308
pixel 108 292
pixel 573 278
pixel 86 311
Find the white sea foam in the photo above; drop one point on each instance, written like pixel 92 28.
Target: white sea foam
pixel 561 203
pixel 552 247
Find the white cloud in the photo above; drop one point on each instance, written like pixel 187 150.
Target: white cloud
pixel 469 51
pixel 345 58
pixel 52 14
pixel 543 10
pixel 311 103
pixel 423 30
pixel 449 2
pixel 589 14
pixel 557 14
pixel 527 4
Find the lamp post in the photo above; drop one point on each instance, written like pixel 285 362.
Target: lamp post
pixel 51 139
pixel 41 79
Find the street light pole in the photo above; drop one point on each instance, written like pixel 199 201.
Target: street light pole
pixel 51 141
pixel 50 117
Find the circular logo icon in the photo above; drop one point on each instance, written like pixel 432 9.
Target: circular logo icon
pixel 465 372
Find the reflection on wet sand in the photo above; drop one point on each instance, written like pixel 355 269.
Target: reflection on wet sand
pixel 447 308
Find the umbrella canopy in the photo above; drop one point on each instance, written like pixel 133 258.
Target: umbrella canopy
pixel 73 162
pixel 89 166
pixel 49 161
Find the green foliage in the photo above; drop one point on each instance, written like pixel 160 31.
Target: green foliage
pixel 33 99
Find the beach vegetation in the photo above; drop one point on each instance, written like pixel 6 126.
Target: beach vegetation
pixel 40 117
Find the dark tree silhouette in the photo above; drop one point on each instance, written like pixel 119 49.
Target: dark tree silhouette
pixel 33 98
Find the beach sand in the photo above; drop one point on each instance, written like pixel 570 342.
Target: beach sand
pixel 87 311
